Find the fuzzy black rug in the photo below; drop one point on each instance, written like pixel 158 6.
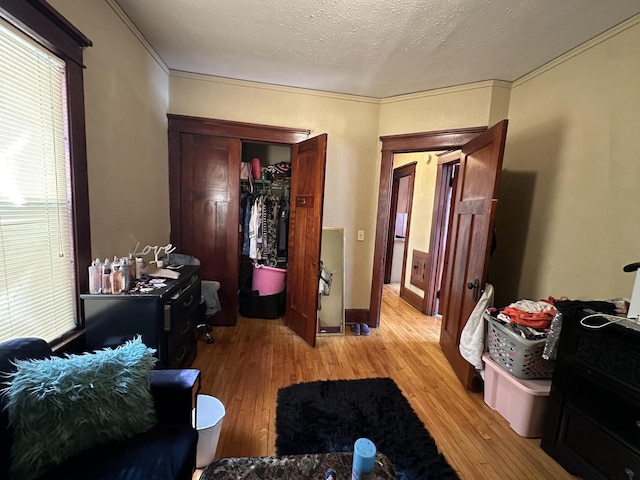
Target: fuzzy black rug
pixel 329 416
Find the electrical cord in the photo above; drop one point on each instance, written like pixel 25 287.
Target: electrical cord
pixel 610 320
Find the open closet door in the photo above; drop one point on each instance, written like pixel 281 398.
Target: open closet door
pixel 469 240
pixel 305 231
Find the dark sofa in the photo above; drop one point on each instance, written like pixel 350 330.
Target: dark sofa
pixel 167 451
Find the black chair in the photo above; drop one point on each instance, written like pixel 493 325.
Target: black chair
pixel 167 451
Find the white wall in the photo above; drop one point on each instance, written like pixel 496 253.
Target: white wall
pixel 126 100
pixel 568 216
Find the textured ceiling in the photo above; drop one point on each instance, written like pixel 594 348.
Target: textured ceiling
pixel 375 48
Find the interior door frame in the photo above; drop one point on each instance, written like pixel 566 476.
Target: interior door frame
pixel 408 170
pixel 406 143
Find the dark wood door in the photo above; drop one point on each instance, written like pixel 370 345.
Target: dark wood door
pixel 204 187
pixel 305 232
pixel 469 240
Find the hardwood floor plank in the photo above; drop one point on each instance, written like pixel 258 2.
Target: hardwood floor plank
pixel 249 362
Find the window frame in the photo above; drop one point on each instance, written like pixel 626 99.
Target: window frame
pixel 45 25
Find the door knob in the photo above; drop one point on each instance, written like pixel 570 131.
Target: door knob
pixel 475 286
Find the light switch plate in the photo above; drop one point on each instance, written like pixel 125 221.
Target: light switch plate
pixel 361 235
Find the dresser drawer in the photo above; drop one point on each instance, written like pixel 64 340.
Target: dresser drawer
pixel 611 409
pixel 183 306
pixel 182 340
pixel 610 458
pixel 610 359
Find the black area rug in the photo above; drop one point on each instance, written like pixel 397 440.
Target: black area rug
pixel 329 416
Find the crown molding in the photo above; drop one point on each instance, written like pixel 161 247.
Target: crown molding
pixel 447 91
pixel 272 87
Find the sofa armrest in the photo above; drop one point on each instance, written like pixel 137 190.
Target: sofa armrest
pixel 174 394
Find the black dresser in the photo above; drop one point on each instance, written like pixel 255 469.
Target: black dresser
pixel 593 421
pixel 166 318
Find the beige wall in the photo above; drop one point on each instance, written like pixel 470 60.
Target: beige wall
pixel 126 100
pixel 567 219
pixel 351 124
pixel 568 215
pixel 456 107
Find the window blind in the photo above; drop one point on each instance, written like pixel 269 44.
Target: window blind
pixel 37 284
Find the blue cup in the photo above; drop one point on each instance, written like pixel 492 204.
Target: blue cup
pixel 364 455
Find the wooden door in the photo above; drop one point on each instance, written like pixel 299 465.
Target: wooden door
pixel 469 240
pixel 204 189
pixel 305 232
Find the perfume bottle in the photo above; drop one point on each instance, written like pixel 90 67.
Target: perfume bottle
pixel 116 277
pixel 106 276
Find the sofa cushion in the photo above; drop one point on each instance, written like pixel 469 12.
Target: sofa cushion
pixel 59 407
pixel 164 452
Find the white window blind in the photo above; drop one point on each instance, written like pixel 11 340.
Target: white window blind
pixel 37 284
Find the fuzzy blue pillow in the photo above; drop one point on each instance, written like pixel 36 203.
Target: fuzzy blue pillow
pixel 59 407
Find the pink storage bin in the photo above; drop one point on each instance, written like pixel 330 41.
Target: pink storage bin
pixel 522 403
pixel 268 280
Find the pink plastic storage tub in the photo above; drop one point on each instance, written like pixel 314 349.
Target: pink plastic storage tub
pixel 268 280
pixel 521 402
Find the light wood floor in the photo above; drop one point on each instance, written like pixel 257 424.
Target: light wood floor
pixel 249 362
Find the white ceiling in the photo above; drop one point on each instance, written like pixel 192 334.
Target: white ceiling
pixel 375 48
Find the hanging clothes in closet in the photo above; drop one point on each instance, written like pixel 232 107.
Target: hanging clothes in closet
pixel 261 227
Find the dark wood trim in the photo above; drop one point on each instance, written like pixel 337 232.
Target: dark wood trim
pixel 244 131
pixel 43 23
pixel 411 297
pixel 356 315
pixel 393 211
pixel 406 171
pixel 392 144
pixel 446 164
pixel 436 140
pixel 175 174
pixel 380 249
pixel 79 181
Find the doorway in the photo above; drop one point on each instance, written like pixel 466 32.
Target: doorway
pixel 399 222
pixel 411 143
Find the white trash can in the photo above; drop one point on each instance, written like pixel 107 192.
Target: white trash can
pixel 207 420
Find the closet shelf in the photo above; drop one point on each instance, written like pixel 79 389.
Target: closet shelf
pixel 286 183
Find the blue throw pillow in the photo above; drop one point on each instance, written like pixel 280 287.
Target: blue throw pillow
pixel 59 407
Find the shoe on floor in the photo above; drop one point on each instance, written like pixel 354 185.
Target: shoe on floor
pixel 364 329
pixel 355 329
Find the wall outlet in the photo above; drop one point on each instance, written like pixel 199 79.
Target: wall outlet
pixel 361 235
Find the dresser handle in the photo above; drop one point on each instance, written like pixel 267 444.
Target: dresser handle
pixel 186 304
pixel 184 351
pixel 630 473
pixel 638 423
pixel 186 328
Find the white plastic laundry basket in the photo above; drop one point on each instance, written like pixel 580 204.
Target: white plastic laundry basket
pixel 207 420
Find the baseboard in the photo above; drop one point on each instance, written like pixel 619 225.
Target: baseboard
pixel 410 297
pixel 357 315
